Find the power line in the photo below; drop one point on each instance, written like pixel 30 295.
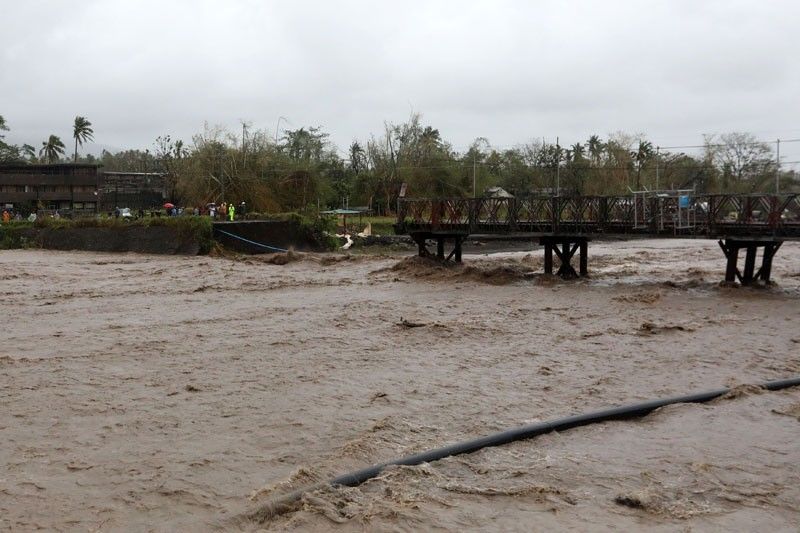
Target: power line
pixel 467 165
pixel 688 146
pixel 719 145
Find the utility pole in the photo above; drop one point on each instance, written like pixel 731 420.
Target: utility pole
pixel 221 185
pixel 276 128
pixel 474 172
pixel 558 168
pixel 778 168
pixel 658 149
pixel 244 136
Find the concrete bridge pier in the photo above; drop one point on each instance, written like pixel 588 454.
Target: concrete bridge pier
pixel 731 248
pixel 565 247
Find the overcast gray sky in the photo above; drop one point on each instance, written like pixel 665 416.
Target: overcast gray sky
pixel 511 71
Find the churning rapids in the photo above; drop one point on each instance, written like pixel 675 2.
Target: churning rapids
pixel 174 393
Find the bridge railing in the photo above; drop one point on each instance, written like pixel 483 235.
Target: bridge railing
pixel 757 214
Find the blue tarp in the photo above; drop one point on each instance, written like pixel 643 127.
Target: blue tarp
pixel 342 212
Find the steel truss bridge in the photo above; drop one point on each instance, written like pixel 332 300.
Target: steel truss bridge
pixel 565 224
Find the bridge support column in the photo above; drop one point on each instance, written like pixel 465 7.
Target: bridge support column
pixel 422 244
pixel 565 247
pixel 731 248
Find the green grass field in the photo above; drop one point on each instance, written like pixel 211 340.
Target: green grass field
pixel 382 225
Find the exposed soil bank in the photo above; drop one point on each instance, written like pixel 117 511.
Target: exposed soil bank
pixel 283 234
pixel 176 236
pixel 141 239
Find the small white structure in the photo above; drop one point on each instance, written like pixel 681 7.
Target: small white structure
pixel 497 192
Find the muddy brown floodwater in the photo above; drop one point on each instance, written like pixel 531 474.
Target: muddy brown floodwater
pixel 150 393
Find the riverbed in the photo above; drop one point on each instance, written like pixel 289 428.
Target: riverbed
pixel 154 393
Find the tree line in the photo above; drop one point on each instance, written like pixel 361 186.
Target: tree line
pixel 52 149
pixel 302 170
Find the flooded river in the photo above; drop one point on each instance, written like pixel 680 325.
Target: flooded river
pixel 151 393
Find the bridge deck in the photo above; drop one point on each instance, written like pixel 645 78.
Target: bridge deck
pixel 704 216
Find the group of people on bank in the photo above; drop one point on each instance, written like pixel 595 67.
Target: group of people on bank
pixel 226 211
pixel 223 211
pixel 8 216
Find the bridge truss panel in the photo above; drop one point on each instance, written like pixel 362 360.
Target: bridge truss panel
pixel 676 215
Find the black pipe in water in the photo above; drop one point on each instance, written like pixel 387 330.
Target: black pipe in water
pixel 284 503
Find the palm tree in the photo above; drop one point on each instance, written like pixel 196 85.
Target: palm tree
pixel 578 150
pixel 641 155
pixel 52 149
pixel 595 146
pixel 29 152
pixel 82 132
pixel 358 158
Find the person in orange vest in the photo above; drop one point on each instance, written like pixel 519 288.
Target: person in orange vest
pixel 6 216
pixel 231 212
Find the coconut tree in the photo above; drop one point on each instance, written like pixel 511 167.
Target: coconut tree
pixel 52 149
pixel 578 150
pixel 595 146
pixel 82 132
pixel 641 155
pixel 6 151
pixel 29 152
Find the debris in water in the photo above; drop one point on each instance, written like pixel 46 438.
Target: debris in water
pixel 639 297
pixel 792 410
pixel 285 258
pixel 635 500
pixel 377 395
pixel 408 324
pixel 649 328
